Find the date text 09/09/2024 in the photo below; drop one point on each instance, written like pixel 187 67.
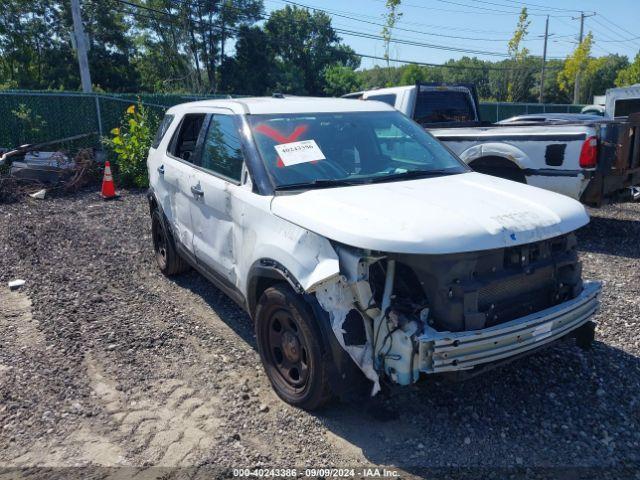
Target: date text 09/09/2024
pixel 315 472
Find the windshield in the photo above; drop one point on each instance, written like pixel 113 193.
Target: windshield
pixel 326 149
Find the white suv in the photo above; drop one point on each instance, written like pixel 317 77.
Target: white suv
pixel 360 246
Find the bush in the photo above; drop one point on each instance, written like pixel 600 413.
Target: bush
pixel 130 144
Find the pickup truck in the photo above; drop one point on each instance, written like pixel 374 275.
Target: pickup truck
pixel 362 255
pixel 578 158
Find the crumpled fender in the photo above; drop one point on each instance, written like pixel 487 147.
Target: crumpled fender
pixel 305 256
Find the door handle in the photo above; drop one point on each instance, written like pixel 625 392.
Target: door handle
pixel 197 191
pixel 161 169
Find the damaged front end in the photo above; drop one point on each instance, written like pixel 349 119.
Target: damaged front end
pixel 400 315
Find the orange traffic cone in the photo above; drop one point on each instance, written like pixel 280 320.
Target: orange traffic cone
pixel 108 187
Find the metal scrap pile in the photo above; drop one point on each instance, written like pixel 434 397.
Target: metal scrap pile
pixel 31 170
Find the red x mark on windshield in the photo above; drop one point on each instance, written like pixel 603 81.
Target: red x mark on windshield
pixel 279 137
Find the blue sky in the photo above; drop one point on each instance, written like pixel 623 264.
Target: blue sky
pixel 486 25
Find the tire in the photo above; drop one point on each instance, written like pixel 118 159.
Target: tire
pixel 167 258
pixel 291 348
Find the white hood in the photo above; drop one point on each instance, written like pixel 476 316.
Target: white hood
pixel 448 214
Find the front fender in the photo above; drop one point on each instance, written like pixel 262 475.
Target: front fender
pixel 307 258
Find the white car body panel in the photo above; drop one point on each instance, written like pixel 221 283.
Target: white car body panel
pixel 457 213
pixel 230 229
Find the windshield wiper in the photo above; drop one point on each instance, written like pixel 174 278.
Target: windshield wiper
pixel 321 183
pixel 410 174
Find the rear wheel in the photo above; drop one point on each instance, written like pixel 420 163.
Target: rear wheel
pixel 167 258
pixel 290 348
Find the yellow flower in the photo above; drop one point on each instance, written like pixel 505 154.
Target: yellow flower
pixel 115 131
pixel 131 109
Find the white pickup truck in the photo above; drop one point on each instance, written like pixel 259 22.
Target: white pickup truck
pixel 573 157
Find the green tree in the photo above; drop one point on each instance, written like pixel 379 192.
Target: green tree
pixel 377 77
pixel 305 44
pixel 519 76
pixel 35 51
pixel 252 69
pixel 340 80
pixel 391 17
pixel 552 91
pixel 192 37
pixel 412 74
pixel 629 75
pixel 469 70
pixel 110 46
pixel 576 64
pixel 600 74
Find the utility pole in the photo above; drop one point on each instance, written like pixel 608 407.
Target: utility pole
pixel 544 60
pixel 576 86
pixel 81 46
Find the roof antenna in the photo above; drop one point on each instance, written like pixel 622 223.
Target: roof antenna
pixel 277 95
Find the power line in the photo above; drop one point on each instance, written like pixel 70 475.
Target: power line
pixel 455 67
pixel 332 12
pixel 342 31
pixel 174 16
pixel 401 41
pixel 531 6
pixel 431 8
pixel 617 26
pixel 613 39
pixel 491 9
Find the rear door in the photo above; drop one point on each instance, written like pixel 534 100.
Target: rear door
pixel 177 172
pixel 216 221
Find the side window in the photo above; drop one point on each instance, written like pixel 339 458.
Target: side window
pixel 162 129
pixel 184 141
pixel 389 99
pixel 221 152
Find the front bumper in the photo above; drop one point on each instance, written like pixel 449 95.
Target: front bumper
pixel 453 351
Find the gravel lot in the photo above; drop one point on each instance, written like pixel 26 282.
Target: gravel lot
pixel 103 361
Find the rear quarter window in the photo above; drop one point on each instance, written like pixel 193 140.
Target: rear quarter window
pixel 162 129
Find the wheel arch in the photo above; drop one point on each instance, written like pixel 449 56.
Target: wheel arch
pixel 500 167
pixel 493 160
pixel 503 151
pixel 346 378
pixel 265 273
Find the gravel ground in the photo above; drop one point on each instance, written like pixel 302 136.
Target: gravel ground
pixel 103 361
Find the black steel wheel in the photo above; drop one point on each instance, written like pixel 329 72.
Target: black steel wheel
pixel 168 260
pixel 291 348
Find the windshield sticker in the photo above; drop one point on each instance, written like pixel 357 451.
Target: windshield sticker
pixel 299 152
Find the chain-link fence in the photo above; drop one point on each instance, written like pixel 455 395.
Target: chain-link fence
pixel 32 117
